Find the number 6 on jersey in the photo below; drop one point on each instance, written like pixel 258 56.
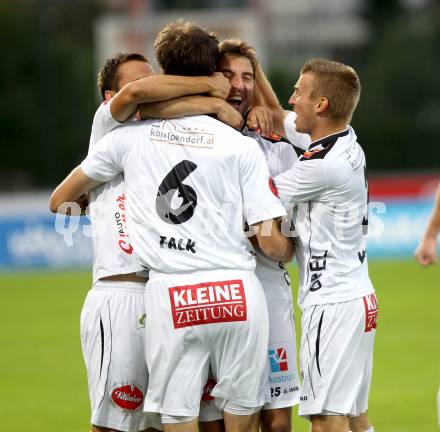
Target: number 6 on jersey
pixel 172 183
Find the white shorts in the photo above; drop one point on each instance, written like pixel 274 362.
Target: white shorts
pixel 113 344
pixel 283 368
pixel 208 409
pixel 216 318
pixel 283 375
pixel 337 356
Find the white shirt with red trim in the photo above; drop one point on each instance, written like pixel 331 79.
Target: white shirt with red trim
pixel 112 251
pixel 189 183
pixel 328 191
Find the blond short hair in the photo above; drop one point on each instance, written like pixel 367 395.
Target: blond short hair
pixel 338 83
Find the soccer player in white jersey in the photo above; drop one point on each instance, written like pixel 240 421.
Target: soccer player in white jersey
pixel 329 191
pixel 113 317
pixel 185 220
pixel 239 64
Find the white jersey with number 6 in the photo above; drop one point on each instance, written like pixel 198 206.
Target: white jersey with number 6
pixel 189 183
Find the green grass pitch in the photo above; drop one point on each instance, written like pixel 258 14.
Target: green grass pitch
pixel 43 385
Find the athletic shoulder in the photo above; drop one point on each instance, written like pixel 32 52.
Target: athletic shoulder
pixel 103 112
pixel 346 158
pixel 230 137
pixel 103 123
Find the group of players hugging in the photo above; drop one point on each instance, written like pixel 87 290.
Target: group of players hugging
pixel 197 196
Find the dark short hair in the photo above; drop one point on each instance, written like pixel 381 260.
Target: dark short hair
pixel 238 48
pixel 108 78
pixel 184 48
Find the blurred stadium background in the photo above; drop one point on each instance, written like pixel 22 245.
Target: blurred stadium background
pixel 51 51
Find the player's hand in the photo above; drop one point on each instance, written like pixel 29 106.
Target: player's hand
pixel 260 119
pixel 426 253
pixel 229 115
pixel 220 86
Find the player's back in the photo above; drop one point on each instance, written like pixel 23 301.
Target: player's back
pixel 187 180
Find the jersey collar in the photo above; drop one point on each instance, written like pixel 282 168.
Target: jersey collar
pixel 324 142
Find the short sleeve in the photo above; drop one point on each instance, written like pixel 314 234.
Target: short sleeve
pixel 298 139
pixel 103 123
pixel 259 194
pixel 105 159
pixel 304 182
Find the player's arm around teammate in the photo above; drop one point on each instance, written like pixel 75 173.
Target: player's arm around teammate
pixel 240 96
pixel 279 122
pixel 125 80
pixel 71 188
pixel 159 88
pixel 128 83
pixel 426 252
pixel 81 182
pixel 239 64
pixel 192 105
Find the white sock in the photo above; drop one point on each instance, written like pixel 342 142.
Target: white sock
pixel 371 429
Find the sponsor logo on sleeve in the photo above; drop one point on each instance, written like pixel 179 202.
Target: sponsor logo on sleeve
pixel 371 312
pixel 127 397
pixel 208 303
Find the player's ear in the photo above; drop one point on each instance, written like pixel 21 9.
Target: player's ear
pixel 321 105
pixel 108 94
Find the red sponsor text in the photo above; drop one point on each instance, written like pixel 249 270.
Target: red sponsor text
pixel 121 222
pixel 208 303
pixel 128 397
pixel 371 312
